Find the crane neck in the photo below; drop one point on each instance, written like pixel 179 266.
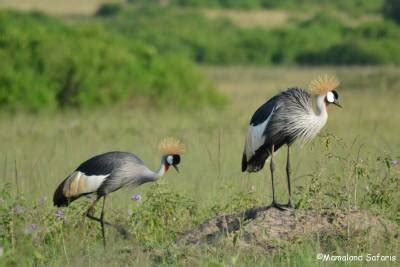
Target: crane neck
pixel 321 106
pixel 162 170
pixel 152 176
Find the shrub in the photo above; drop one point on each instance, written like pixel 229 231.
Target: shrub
pixel 373 43
pixel 109 9
pixel 356 7
pixel 391 10
pixel 189 33
pixel 47 65
pixel 319 40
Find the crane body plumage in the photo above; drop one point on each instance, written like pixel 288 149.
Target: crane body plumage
pixel 291 115
pixel 283 119
pixel 103 174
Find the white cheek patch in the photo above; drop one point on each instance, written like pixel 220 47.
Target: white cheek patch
pixel 170 160
pixel 330 97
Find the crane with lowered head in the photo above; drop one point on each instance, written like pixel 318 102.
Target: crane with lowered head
pixel 111 171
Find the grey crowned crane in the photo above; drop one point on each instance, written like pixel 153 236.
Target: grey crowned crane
pixel 108 172
pixel 290 115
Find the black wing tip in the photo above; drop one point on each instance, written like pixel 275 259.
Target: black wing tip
pixel 255 164
pixel 244 163
pixel 59 200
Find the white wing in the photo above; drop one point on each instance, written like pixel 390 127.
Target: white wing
pixel 79 183
pixel 255 136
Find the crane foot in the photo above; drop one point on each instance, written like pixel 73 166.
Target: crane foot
pixel 277 206
pixel 289 205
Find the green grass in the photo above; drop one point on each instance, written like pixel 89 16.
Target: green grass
pixel 346 166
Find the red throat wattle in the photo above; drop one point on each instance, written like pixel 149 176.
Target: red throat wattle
pixel 166 165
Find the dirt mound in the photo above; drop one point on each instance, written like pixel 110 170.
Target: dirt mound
pixel 266 227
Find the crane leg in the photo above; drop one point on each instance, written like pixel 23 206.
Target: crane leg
pixel 101 220
pixel 288 174
pixel 272 168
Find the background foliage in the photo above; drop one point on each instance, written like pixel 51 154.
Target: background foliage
pixel 47 64
pixel 352 6
pixel 148 51
pixel 321 39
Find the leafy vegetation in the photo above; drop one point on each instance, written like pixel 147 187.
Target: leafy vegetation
pixel 152 52
pixel 371 43
pixel 48 65
pixel 349 6
pixel 391 10
pixel 322 39
pixel 109 9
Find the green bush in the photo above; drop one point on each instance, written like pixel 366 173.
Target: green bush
pixel 219 42
pixel 246 4
pixel 391 10
pixel 357 7
pixel 320 40
pixel 177 32
pixel 147 52
pixel 190 34
pixel 372 43
pixel 47 65
pixel 109 9
pixel 316 34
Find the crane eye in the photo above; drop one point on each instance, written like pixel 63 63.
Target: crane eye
pixel 335 94
pixel 177 159
pixel 170 160
pixel 330 97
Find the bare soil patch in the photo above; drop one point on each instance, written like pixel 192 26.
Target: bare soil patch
pixel 266 228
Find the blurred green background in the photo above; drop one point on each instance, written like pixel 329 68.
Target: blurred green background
pixel 88 54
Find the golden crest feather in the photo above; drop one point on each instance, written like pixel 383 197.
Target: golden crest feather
pixel 323 84
pixel 171 146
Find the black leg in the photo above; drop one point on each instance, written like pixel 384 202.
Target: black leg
pixel 90 211
pixel 101 220
pixel 272 168
pixel 288 173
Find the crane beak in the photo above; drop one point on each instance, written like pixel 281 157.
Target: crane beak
pixel 336 103
pixel 176 168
